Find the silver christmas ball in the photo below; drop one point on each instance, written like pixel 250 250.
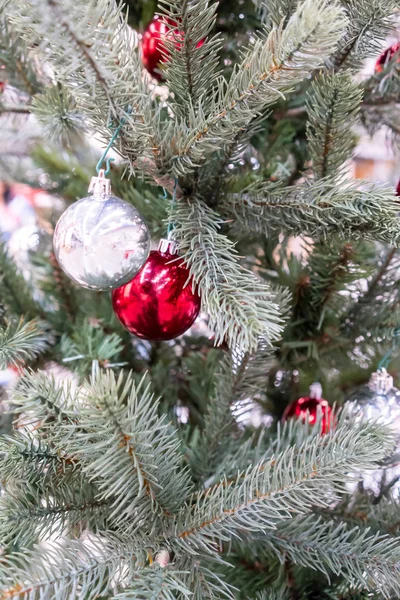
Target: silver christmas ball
pixel 379 401
pixel 101 242
pixel 28 242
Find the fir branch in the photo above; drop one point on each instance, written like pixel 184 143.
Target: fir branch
pixel 30 460
pixel 90 47
pixel 367 560
pixel 204 582
pixel 269 70
pixel 360 210
pixel 369 25
pixel 156 583
pixel 132 454
pixel 14 291
pixel 276 12
pixel 38 400
pixel 292 482
pixel 31 515
pixel 23 341
pixel 241 308
pixel 57 112
pixel 17 61
pixel 376 280
pixel 333 104
pixel 220 429
pixel 58 570
pixel 89 343
pixel 193 63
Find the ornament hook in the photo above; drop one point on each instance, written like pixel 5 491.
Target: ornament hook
pixel 385 361
pixel 116 133
pixel 173 204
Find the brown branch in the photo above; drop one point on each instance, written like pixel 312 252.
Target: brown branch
pixel 83 48
pixel 257 497
pixel 15 108
pixel 380 274
pixel 328 135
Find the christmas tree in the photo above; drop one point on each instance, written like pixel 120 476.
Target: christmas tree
pixel 200 465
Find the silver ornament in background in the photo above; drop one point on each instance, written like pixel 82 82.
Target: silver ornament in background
pixel 379 401
pixel 101 242
pixel 26 243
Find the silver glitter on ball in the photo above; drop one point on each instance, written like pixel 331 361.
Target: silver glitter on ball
pixel 101 242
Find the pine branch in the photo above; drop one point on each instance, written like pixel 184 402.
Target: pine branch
pixel 90 47
pixel 22 342
pixel 204 581
pixel 31 515
pixel 277 12
pixel 88 343
pixel 193 63
pixel 363 559
pixel 17 61
pixel 14 291
pixel 132 454
pixel 269 70
pixel 292 482
pixel 156 583
pixel 220 429
pixel 30 460
pixel 38 400
pixel 333 104
pixel 360 210
pixel 57 112
pixel 376 280
pixel 370 22
pixel 59 570
pixel 241 308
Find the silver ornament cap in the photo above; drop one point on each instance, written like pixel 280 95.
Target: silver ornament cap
pixel 381 382
pixel 101 242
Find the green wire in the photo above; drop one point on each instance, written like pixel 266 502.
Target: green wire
pixel 110 143
pixel 173 204
pixel 385 361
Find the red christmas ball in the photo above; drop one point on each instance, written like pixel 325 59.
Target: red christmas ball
pixel 159 302
pixel 306 409
pixel 398 189
pixel 154 51
pixel 386 56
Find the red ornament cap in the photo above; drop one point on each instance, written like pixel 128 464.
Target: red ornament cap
pixel 159 302
pixel 154 50
pixel 306 408
pixel 386 56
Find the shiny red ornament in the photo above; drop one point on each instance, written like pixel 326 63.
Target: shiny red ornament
pixel 398 189
pixel 306 408
pixel 159 302
pixel 386 56
pixel 154 51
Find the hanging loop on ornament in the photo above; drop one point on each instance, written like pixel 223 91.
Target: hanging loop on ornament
pixel 385 361
pixel 173 204
pixel 116 133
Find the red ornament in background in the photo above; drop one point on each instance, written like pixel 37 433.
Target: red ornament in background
pixel 398 189
pixel 154 51
pixel 3 80
pixel 386 56
pixel 307 409
pixel 159 303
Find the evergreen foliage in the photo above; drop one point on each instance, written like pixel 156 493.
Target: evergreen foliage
pixel 135 469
